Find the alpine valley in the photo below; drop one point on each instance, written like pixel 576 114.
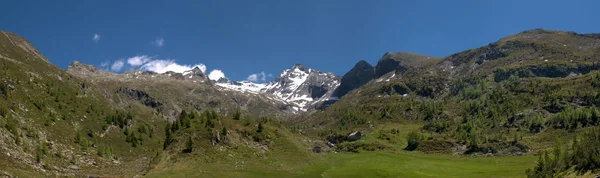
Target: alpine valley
pixel 522 106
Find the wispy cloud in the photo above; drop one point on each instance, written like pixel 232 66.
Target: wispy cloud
pixel 117 65
pixel 96 38
pixel 160 41
pixel 216 74
pixel 165 65
pixel 138 60
pixel 154 64
pixel 258 77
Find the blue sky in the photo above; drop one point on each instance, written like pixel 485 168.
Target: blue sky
pixel 244 37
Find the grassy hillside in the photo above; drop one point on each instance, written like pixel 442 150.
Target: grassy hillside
pixel 518 96
pixel 526 101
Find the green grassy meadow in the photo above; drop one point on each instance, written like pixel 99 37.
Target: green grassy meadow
pixel 372 164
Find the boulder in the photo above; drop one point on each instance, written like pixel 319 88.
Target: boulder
pixel 354 136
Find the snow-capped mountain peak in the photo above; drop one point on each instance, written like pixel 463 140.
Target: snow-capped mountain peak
pixel 300 86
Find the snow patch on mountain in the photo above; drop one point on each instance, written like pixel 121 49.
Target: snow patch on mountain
pixel 299 86
pixel 243 86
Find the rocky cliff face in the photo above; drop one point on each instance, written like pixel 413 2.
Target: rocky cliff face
pixel 358 76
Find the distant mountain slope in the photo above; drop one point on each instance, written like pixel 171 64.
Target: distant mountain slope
pixel 177 91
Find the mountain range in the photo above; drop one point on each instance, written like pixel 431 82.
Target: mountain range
pixel 530 94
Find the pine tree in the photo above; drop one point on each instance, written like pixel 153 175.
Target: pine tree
pixel 237 115
pixel 168 136
pixel 224 131
pixel 260 128
pixel 189 145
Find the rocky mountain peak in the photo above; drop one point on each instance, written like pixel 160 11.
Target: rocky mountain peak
pixel 223 80
pixel 80 69
pixel 399 61
pixel 303 86
pixel 359 75
pixel 300 67
pixel 76 65
pixel 196 73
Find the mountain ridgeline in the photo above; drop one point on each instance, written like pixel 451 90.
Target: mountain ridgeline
pixel 527 95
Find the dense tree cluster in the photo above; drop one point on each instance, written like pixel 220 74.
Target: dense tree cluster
pixel 583 155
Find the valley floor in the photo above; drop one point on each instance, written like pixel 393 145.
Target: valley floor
pixel 371 164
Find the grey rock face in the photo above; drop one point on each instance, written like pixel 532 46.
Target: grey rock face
pixel 304 87
pixel 358 76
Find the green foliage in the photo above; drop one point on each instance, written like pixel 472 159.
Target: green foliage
pixel 583 156
pixel 189 145
pixel 120 119
pixel 185 119
pixel 3 111
pixel 571 119
pixel 260 128
pixel 105 151
pixel 237 115
pixel 413 139
pixel 350 117
pixel 247 120
pixel 134 139
pixel 4 90
pixel 168 136
pixel 209 117
pixel 38 155
pixel 437 126
pixel 356 147
pixel 394 88
pixel 431 110
pixel 78 137
pixel 142 129
pixel 224 131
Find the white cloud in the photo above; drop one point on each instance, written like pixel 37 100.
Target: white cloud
pixel 117 65
pixel 96 38
pixel 159 42
pixel 138 60
pixel 165 65
pixel 104 64
pixel 262 77
pixel 216 74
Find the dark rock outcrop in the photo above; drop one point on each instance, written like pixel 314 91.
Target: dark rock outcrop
pixel 358 76
pixel 140 96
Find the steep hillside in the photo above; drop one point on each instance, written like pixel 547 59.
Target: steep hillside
pixel 54 123
pixel 517 96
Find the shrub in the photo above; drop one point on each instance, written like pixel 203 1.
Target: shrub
pixel 413 138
